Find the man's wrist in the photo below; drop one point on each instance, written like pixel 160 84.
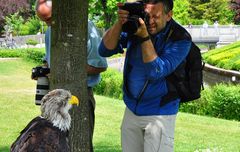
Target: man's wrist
pixel 143 39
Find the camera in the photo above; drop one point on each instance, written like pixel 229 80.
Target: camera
pixel 136 11
pixel 42 88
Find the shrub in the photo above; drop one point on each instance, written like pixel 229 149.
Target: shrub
pixel 225 102
pixel 31 42
pixel 14 21
pixel 10 53
pixel 110 84
pixel 222 101
pixel 236 65
pixel 34 25
pixel 8 7
pixel 196 21
pixel 35 55
pixel 24 30
pixel 198 106
pixel 31 54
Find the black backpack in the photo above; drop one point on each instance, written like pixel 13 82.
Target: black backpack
pixel 186 82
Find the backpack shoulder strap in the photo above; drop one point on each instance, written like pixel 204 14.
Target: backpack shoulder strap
pixel 176 33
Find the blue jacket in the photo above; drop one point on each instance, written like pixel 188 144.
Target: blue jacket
pixel 172 45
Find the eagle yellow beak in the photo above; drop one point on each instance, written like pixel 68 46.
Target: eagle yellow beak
pixel 74 100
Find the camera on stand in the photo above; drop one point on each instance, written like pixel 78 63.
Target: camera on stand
pixel 136 11
pixel 39 73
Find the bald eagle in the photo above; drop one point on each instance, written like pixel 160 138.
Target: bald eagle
pixel 48 132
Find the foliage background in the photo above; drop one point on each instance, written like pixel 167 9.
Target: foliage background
pixel 9 7
pixel 104 13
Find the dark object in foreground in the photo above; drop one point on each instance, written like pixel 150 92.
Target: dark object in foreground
pixel 136 11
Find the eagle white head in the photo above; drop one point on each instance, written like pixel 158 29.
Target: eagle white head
pixel 55 107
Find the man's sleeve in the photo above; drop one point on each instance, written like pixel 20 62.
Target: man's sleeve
pixel 122 43
pixel 47 45
pixel 167 62
pixel 94 39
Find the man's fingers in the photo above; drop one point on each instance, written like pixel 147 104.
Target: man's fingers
pixel 123 12
pixel 141 21
pixel 122 16
pixel 141 31
pixel 120 4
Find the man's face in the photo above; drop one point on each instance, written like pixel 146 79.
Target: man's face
pixel 44 11
pixel 157 17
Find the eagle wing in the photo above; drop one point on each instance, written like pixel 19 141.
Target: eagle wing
pixel 41 136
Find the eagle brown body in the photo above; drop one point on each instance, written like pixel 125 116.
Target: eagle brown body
pixel 41 136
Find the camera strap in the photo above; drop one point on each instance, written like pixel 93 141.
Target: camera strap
pixel 139 97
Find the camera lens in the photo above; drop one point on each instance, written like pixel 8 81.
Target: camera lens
pixel 41 89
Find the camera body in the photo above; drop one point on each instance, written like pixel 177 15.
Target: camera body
pixel 136 11
pixel 42 88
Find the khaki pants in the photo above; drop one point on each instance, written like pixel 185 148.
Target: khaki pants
pixel 147 133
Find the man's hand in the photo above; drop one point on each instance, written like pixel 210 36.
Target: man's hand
pixel 44 10
pixel 142 29
pixel 111 37
pixel 122 14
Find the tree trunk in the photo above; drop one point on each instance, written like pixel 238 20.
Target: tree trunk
pixel 68 64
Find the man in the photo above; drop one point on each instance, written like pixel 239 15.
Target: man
pixel 96 63
pixel 153 52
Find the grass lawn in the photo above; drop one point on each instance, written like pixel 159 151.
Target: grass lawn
pixel 193 133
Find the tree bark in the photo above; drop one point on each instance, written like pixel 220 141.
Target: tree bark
pixel 69 62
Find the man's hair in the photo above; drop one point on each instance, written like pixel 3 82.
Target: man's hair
pixel 168 4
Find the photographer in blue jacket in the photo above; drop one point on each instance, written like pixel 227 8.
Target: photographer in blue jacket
pixel 154 50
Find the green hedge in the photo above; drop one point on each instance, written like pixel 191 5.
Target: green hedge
pixel 110 85
pixel 35 55
pixel 31 42
pixel 227 57
pixel 11 53
pixel 222 101
pixel 31 54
